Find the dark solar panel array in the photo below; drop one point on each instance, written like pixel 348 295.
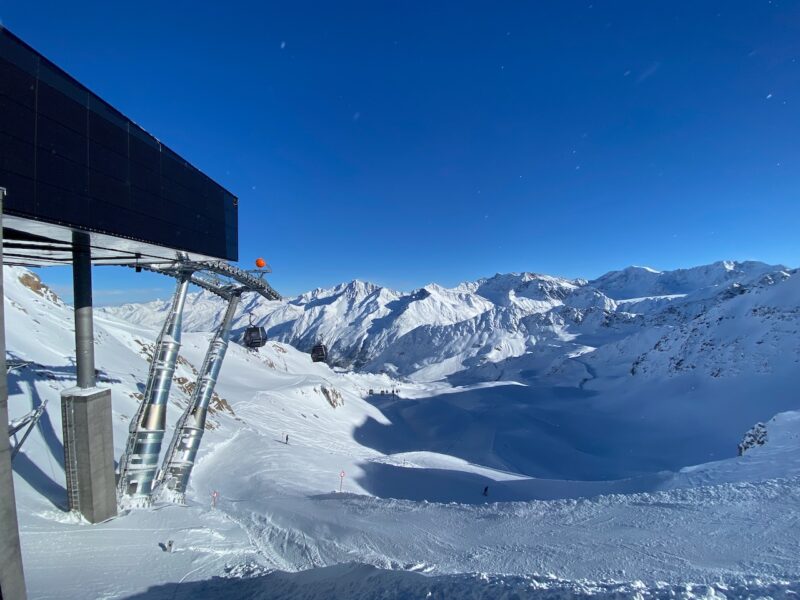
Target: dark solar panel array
pixel 68 157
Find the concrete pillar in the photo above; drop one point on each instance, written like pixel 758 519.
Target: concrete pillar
pixel 12 580
pixel 86 409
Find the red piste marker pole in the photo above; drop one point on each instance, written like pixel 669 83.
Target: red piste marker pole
pixel 341 479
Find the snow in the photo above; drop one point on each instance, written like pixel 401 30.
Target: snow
pixel 363 581
pixel 612 468
pixel 635 282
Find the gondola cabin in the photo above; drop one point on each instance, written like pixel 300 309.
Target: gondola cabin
pixel 319 353
pixel 254 337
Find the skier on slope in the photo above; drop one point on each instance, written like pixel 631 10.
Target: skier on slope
pixel 486 491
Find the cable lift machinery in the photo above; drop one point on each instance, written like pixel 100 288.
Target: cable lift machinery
pixel 139 475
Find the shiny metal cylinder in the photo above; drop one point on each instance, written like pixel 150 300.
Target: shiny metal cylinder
pixel 182 452
pixel 139 463
pixel 84 325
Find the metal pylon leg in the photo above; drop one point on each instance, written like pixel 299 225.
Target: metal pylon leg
pixel 139 462
pixel 179 460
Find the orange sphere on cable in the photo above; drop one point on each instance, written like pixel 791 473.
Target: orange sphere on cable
pixel 261 263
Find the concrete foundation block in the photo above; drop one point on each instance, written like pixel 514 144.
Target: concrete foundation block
pixel 89 452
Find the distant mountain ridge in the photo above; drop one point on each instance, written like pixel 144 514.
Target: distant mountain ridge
pixel 636 282
pixel 477 329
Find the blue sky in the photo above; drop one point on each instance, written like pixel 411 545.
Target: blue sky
pixel 411 142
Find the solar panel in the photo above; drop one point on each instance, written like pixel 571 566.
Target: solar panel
pixel 69 158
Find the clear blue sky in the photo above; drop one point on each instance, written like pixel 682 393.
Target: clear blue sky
pixel 410 142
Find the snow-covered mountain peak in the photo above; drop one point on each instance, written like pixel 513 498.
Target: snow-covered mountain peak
pixel 644 268
pixel 357 289
pixel 435 288
pixel 505 289
pixel 641 282
pixel 352 290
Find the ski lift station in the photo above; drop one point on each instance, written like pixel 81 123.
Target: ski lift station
pixel 83 185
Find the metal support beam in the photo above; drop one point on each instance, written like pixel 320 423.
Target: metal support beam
pixel 84 326
pixel 30 420
pixel 139 462
pixel 180 458
pixel 12 579
pixel 86 409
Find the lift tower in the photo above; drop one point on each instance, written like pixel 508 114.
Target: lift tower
pixel 139 464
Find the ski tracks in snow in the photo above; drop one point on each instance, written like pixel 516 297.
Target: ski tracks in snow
pixel 705 535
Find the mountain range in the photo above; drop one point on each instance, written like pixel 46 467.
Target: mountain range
pixel 509 326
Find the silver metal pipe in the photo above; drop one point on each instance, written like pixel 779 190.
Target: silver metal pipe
pixel 84 326
pixel 139 462
pixel 31 419
pixel 180 458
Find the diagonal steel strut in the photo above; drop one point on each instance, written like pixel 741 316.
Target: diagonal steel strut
pixel 180 458
pixel 138 464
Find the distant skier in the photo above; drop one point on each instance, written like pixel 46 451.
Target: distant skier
pixel 287 439
pixel 486 491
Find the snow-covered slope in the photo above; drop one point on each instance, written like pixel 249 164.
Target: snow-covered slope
pixel 611 471
pixel 638 282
